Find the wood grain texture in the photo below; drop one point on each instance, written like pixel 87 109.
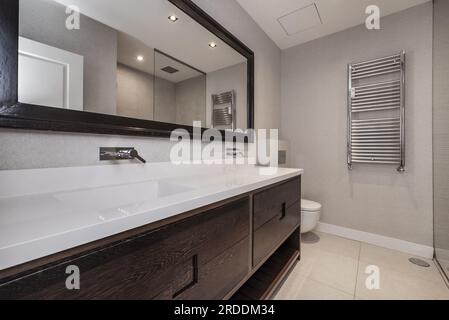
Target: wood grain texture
pixel 264 283
pixel 145 266
pixel 269 203
pixel 221 275
pixel 9 30
pixel 271 234
pixel 73 253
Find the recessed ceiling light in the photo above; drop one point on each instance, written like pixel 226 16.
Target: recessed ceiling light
pixel 173 18
pixel 140 58
pixel 212 45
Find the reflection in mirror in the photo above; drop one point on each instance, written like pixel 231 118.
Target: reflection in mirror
pixel 180 91
pixel 137 59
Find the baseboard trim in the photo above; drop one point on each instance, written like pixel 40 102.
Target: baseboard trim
pixel 378 240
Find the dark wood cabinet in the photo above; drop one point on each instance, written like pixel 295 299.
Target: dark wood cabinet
pixel 171 262
pixel 269 203
pixel 218 277
pixel 277 213
pixel 206 254
pixel 271 235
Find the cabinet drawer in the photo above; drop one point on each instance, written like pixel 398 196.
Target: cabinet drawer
pixel 219 276
pixel 268 204
pixel 146 266
pixel 271 234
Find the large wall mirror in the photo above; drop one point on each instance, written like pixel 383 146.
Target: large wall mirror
pixel 131 67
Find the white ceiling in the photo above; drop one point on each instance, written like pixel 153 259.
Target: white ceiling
pixel 129 48
pixel 148 22
pixel 273 16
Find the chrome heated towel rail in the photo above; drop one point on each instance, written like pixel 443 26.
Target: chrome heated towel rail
pixel 376 112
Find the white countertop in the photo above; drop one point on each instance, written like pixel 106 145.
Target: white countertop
pixel 46 211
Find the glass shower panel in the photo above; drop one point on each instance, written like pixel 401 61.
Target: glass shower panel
pixel 441 132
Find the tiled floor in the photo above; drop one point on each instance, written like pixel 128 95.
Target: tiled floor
pixel 335 269
pixel 445 264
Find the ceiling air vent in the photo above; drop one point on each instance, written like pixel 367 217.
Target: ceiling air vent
pixel 301 20
pixel 170 70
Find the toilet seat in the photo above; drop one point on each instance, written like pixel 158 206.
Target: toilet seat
pixel 310 206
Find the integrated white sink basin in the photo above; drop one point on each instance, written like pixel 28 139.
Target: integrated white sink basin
pixel 46 211
pixel 120 197
pixel 114 202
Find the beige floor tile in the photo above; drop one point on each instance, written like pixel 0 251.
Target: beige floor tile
pixel 396 285
pixel 336 271
pixel 336 245
pixel 335 268
pixel 300 288
pixel 398 261
pixel 445 265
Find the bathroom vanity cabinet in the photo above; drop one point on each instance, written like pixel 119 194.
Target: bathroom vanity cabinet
pixel 240 248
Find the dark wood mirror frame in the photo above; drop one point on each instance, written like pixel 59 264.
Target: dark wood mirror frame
pixel 22 116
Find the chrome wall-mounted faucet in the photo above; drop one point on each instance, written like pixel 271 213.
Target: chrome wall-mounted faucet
pixel 108 154
pixel 234 152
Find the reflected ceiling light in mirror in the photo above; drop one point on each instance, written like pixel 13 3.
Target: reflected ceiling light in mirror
pixel 173 18
pixel 140 58
pixel 212 45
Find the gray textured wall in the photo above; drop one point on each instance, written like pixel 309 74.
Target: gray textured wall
pixel 191 101
pixel 180 103
pixel 35 149
pixel 134 93
pixel 44 21
pixel 371 198
pixel 165 101
pixel 441 127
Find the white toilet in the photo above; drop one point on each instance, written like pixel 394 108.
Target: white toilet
pixel 310 215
